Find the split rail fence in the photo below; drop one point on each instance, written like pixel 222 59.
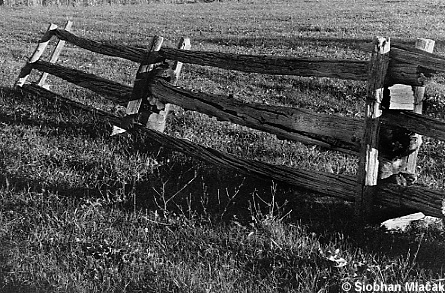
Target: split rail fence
pixel 389 64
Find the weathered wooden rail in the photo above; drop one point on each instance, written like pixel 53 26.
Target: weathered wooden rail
pixel 388 65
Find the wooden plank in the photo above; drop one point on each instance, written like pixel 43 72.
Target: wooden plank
pixel 43 43
pixel 329 131
pixel 415 122
pixel 55 56
pixel 127 52
pixel 158 121
pixel 368 164
pixel 311 67
pixel 405 73
pixel 340 186
pixel 408 67
pixel 402 97
pixel 415 198
pixel 427 62
pixel 426 45
pixel 421 199
pixel 184 44
pixel 343 69
pixel 140 87
pixel 111 90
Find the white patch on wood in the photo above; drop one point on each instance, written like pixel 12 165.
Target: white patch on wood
pixel 402 97
pixel 117 130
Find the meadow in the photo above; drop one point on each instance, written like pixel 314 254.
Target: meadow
pixel 81 211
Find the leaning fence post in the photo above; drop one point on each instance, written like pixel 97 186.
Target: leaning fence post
pixel 419 91
pixel 158 120
pixel 54 56
pixel 140 87
pixel 368 160
pixel 43 43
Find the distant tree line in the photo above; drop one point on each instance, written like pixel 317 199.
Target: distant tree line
pixel 90 2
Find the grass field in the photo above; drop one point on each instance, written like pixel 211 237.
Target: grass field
pixel 84 212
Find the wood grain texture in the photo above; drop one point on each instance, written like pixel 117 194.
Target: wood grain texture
pixel 274 65
pixel 405 73
pixel 329 131
pixel 417 123
pixel 183 44
pixel 369 163
pixel 114 91
pixel 41 47
pixel 408 65
pixel 430 202
pixel 340 186
pixel 427 62
pixel 55 55
pixel 127 52
pixel 158 120
pixel 343 69
pixel 345 130
pixel 140 85
pixel 419 92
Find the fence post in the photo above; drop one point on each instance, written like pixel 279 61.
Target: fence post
pixel 55 56
pixel 155 120
pixel 43 43
pixel 419 91
pixel 184 44
pixel 368 160
pixel 140 87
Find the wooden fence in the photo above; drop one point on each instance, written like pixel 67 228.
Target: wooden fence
pixel 389 64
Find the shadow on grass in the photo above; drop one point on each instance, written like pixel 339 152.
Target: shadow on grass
pixel 19 109
pixel 188 186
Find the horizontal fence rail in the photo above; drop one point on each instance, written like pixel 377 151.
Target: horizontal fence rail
pixel 428 62
pixel 307 67
pixel 411 66
pixel 343 69
pixel 417 123
pixel 122 51
pixel 114 91
pixel 340 186
pixel 329 131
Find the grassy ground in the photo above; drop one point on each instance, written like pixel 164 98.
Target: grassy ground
pixel 83 212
